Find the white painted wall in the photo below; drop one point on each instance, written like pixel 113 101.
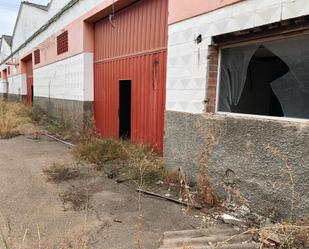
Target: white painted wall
pixel 17 84
pixel 29 21
pixel 5 50
pixel 187 61
pixel 70 79
pixel 2 86
pixel 55 6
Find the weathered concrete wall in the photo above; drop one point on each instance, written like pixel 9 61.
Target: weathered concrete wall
pixel 267 161
pixel 15 97
pixel 74 112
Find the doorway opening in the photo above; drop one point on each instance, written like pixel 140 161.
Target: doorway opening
pixel 125 109
pixel 27 63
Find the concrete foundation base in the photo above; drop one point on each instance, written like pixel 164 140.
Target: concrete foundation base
pixel 259 162
pixel 15 97
pixel 76 113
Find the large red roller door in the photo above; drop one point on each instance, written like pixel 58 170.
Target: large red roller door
pixel 132 48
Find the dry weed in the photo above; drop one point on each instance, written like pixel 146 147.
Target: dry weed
pixel 77 199
pixel 287 169
pixel 208 194
pixel 12 115
pixel 286 235
pixel 100 150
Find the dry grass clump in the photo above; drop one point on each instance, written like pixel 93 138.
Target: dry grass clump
pixel 77 199
pixel 100 150
pixel 140 159
pixel 12 115
pixel 60 129
pixel 61 172
pixel 286 235
pixel 146 163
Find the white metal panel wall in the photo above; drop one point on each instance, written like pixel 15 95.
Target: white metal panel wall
pixel 69 79
pixel 187 61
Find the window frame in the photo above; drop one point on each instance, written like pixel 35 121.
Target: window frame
pixel 275 37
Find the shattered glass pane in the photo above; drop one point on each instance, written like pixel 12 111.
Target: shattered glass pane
pixel 270 78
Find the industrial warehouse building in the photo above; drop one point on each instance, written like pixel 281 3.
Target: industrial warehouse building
pixel 93 55
pixel 222 82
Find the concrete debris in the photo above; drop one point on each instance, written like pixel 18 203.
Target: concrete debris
pixel 219 237
pixel 229 219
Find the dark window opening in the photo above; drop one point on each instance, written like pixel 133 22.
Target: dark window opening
pixel 125 109
pixel 37 56
pixel 62 43
pixel 264 67
pixel 270 78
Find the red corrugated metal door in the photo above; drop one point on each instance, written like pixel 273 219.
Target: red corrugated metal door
pixel 132 47
pixel 29 75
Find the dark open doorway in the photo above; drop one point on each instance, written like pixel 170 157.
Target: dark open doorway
pixel 125 109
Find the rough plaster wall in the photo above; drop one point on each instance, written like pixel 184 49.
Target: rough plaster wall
pixel 30 20
pixel 69 79
pixel 261 176
pixel 187 63
pixel 17 84
pixel 72 112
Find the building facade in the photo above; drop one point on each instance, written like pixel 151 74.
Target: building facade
pixel 237 99
pixel 75 59
pixel 215 86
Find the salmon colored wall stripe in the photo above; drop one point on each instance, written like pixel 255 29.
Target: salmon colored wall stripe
pixel 183 9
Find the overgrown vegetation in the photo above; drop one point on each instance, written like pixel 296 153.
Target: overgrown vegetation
pixel 286 236
pixel 137 157
pixel 12 116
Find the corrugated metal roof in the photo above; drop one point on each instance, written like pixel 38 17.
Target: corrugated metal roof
pixel 210 238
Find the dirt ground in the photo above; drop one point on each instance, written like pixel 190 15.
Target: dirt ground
pixel 36 213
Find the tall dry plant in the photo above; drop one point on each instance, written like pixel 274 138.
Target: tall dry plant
pixel 287 169
pixel 12 115
pixel 208 194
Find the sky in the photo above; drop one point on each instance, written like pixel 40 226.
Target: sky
pixel 8 13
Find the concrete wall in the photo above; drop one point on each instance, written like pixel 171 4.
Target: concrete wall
pixel 70 112
pixel 254 150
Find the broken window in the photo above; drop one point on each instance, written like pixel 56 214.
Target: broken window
pixel 269 78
